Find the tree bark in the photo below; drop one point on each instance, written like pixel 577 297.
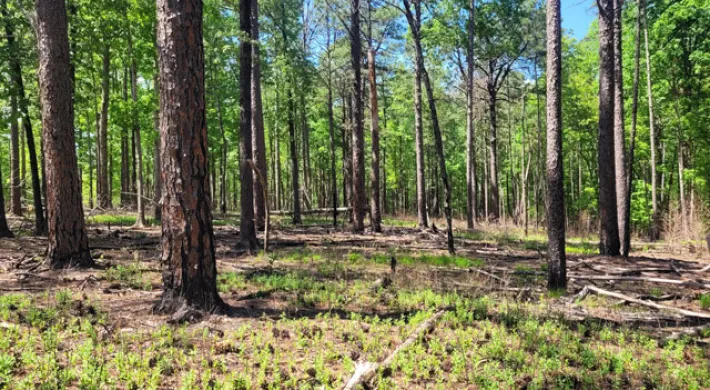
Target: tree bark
pixel 493 145
pixel 258 142
pixel 471 198
pixel 125 170
pixel 5 231
pixel 556 268
pixel 188 257
pixel 609 225
pixel 15 182
pixel 247 230
pixel 294 158
pixel 19 89
pixel 102 192
pixel 622 193
pixel 331 124
pixel 68 243
pixel 358 147
pixel 626 246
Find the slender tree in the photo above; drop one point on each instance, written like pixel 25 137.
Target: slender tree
pixel 609 225
pixel 257 120
pixel 557 269
pixel 331 121
pixel 138 151
pixel 375 212
pixel 622 193
pixel 5 231
pixel 358 146
pixel 471 198
pixel 422 216
pixel 18 89
pixel 68 242
pixel 655 220
pixel 102 192
pixel 626 245
pixel 188 257
pixel 247 230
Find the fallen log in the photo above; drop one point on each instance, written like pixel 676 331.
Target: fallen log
pixel 365 371
pixel 589 288
pixel 685 282
pixel 689 332
pixel 311 211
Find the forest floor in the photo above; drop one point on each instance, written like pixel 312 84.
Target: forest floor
pixel 315 307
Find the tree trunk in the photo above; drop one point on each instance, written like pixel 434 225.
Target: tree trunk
pixel 68 243
pixel 493 145
pixel 247 230
pixel 15 186
pixel 125 170
pixel 471 198
pixel 257 132
pixel 422 217
pixel 157 179
pixel 102 192
pixel 188 257
pixel 655 218
pixel 557 269
pixel 4 229
pixel 358 146
pixel 331 125
pixel 347 156
pixel 609 225
pixel 626 246
pixel 622 193
pixel 140 219
pixel 375 215
pixel 19 89
pixel 294 158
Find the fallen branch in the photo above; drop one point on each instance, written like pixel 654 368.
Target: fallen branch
pixel 365 371
pixel 689 332
pixel 587 289
pixel 685 282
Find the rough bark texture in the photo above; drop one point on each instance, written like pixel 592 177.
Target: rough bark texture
pixel 102 192
pixel 556 270
pixel 375 214
pixel 19 89
pixel 622 193
pixel 626 244
pixel 493 146
pixel 358 147
pixel 188 259
pixel 68 243
pixel 247 230
pixel 257 120
pixel 609 225
pixel 125 169
pixel 471 200
pixel 15 180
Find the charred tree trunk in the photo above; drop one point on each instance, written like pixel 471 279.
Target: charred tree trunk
pixel 358 147
pixel 140 219
pixel 619 133
pixel 609 225
pixel 331 126
pixel 257 121
pixel 422 216
pixel 493 146
pixel 68 243
pixel 188 258
pixel 557 269
pixel 375 215
pixel 247 230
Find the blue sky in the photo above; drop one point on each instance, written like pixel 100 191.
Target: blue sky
pixel 577 15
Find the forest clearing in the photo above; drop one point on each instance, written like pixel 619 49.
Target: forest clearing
pixel 304 314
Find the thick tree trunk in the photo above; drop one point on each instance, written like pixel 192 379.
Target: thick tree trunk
pixel 493 146
pixel 140 219
pixel 188 258
pixel 375 215
pixel 655 218
pixel 609 225
pixel 557 269
pixel 247 230
pixel 358 146
pixel 102 192
pixel 258 142
pixel 622 193
pixel 471 198
pixel 19 89
pixel 68 243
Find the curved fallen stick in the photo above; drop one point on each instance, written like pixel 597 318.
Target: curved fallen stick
pixel 587 289
pixel 365 371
